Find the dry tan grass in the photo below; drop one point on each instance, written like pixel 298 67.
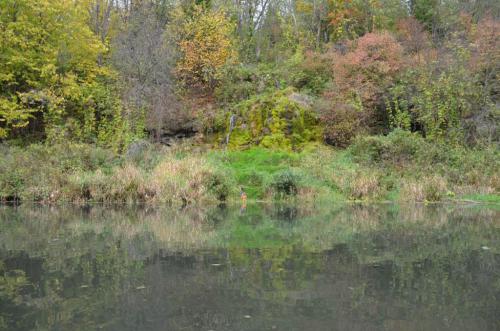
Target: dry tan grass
pixel 183 181
pixel 128 184
pixel 364 186
pixel 411 190
pixel 173 181
pixel 430 188
pixel 359 185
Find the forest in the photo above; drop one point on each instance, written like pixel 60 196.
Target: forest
pixel 197 101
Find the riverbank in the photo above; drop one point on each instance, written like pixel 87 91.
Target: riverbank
pixel 398 167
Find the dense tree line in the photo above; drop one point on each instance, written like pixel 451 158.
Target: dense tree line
pixel 111 71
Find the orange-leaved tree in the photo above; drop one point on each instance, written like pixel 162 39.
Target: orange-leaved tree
pixel 368 68
pixel 362 73
pixel 206 45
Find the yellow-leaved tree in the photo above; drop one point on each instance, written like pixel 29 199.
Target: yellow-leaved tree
pixel 52 85
pixel 206 45
pixel 48 56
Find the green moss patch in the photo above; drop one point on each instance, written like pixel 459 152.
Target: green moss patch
pixel 273 121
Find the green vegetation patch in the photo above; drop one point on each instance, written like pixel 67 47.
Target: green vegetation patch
pixel 274 121
pixel 489 198
pixel 254 168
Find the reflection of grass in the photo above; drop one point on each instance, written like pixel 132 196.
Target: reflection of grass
pixel 416 228
pixel 50 229
pixel 271 252
pixel 262 235
pixel 283 255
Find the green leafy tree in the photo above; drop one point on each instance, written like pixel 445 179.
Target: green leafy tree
pixel 439 102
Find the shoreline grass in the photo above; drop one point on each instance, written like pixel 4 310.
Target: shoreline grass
pixel 370 171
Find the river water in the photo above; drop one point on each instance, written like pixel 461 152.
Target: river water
pixel 267 267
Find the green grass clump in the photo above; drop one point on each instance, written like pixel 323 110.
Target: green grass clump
pixel 489 198
pixel 254 168
pixel 266 174
pixel 285 183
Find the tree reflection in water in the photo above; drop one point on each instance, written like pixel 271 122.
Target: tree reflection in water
pixel 350 267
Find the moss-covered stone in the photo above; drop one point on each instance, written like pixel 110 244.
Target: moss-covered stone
pixel 273 121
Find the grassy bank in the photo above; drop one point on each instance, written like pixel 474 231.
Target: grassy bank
pixel 83 173
pixel 397 167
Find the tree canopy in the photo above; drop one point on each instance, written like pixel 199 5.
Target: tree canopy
pixel 111 71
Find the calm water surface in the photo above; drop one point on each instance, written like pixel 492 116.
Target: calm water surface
pixel 379 267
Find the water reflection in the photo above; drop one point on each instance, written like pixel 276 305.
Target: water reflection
pixel 377 267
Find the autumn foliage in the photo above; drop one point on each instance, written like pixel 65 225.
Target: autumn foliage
pixel 412 35
pixel 368 68
pixel 110 72
pixel 361 75
pixel 206 45
pixel 486 52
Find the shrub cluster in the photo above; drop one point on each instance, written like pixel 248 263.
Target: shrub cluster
pixel 431 169
pixel 285 183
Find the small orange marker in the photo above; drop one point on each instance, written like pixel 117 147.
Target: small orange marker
pixel 243 196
